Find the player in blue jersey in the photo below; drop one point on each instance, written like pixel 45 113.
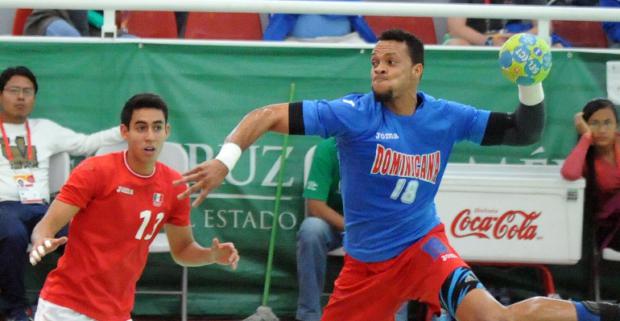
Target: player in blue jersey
pixel 394 144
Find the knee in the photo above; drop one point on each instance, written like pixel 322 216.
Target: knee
pixel 16 238
pixel 312 230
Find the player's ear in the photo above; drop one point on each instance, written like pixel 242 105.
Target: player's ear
pixel 417 70
pixel 124 131
pixel 167 130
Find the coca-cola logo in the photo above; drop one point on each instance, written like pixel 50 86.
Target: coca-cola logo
pixel 513 224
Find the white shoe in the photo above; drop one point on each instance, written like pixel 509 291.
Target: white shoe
pixel 611 254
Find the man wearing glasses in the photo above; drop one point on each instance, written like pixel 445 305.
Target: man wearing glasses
pixel 27 145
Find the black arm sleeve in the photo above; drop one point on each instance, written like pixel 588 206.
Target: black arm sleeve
pixel 522 127
pixel 296 119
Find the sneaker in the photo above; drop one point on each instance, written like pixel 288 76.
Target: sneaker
pixel 611 254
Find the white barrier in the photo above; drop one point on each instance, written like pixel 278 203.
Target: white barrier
pixel 334 7
pixel 541 13
pixel 512 213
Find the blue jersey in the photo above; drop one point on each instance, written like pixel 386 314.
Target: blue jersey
pixel 391 165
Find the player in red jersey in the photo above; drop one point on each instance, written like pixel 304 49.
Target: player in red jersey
pixel 117 203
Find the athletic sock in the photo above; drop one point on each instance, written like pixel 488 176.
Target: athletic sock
pixel 597 311
pixel 588 311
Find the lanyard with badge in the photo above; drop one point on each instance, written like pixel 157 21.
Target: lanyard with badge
pixel 23 178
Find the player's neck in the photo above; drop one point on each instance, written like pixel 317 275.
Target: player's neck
pixel 404 105
pixel 139 167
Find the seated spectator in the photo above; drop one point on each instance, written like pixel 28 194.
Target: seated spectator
pixel 492 32
pixel 612 28
pixel 318 28
pixel 597 158
pixel 27 147
pixel 67 23
pixel 57 23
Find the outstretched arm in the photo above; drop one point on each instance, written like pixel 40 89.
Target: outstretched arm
pixel 522 127
pixel 210 174
pixel 187 252
pixel 43 237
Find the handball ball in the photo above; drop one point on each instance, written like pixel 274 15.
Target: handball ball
pixel 525 59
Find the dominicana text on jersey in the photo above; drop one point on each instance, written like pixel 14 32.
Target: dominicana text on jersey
pixel 391 165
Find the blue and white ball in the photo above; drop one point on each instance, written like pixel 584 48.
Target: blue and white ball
pixel 525 59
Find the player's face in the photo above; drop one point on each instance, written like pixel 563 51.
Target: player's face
pixel 603 125
pixel 146 135
pixel 17 99
pixel 392 72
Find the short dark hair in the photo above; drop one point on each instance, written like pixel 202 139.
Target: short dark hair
pixel 9 72
pixel 143 100
pixel 415 46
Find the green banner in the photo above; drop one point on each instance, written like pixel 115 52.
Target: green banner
pixel 210 87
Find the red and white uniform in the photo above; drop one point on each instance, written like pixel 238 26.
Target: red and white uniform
pixel 120 214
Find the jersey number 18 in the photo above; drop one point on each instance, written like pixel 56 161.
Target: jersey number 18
pixel 405 193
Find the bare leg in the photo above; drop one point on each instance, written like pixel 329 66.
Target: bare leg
pixel 479 305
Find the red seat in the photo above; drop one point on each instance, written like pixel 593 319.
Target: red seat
pixel 20 21
pixel 422 27
pixel 152 24
pixel 581 33
pixel 223 26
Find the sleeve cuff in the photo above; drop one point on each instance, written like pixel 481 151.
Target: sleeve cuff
pixel 531 95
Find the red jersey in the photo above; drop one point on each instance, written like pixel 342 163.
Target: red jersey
pixel 120 214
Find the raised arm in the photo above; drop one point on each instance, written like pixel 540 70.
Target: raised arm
pixel 524 126
pixel 43 237
pixel 210 174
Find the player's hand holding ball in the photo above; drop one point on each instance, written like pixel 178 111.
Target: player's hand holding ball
pixel 525 59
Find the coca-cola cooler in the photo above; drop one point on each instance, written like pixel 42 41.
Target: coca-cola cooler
pixel 512 213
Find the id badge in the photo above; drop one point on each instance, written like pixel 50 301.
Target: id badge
pixel 26 188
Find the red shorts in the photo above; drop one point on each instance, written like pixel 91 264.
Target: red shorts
pixel 375 291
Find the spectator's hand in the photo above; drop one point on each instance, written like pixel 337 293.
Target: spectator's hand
pixel 580 124
pixel 500 38
pixel 225 253
pixel 206 177
pixel 42 248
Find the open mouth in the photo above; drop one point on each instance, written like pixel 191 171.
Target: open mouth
pixel 150 149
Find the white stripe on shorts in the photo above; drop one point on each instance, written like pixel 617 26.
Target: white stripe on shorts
pixel 48 311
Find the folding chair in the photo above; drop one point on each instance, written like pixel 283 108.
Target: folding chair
pixel 20 21
pixel 581 33
pixel 152 24
pixel 59 170
pixel 422 27
pixel 223 26
pixel 607 218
